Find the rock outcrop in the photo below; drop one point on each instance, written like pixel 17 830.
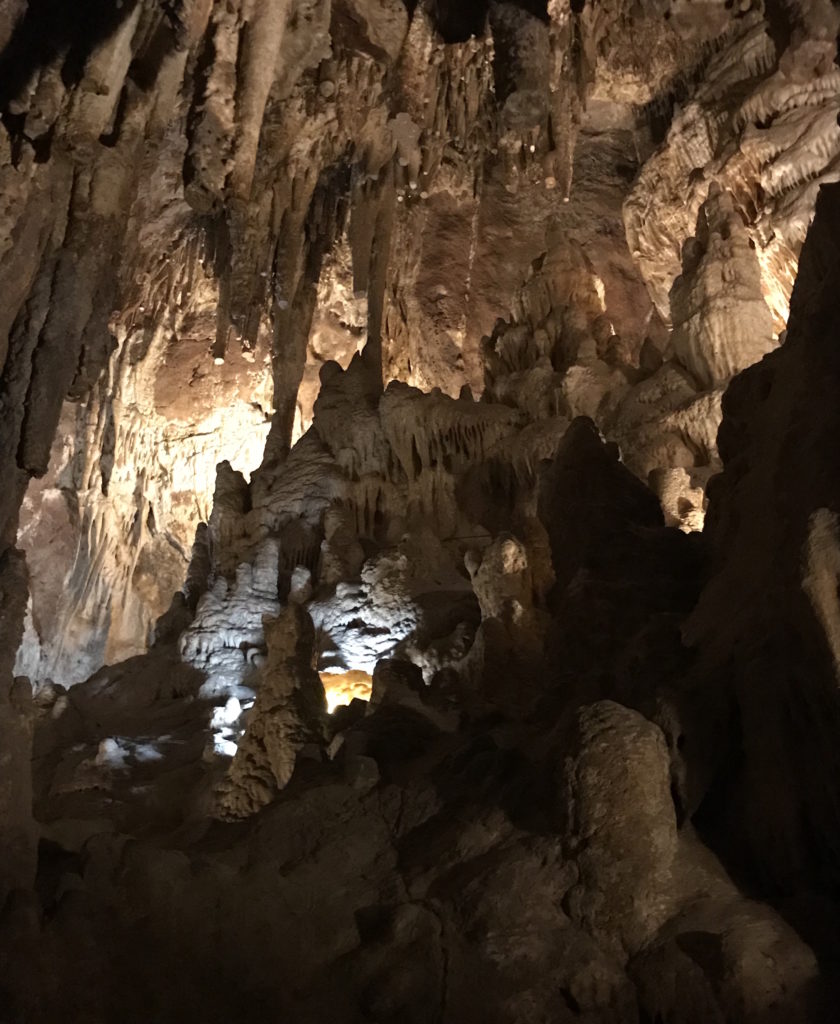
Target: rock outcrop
pixel 721 323
pixel 290 701
pixel 766 624
pixel 748 116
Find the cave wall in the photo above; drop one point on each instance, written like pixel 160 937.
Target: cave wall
pixel 596 777
pixel 606 794
pixel 204 203
pixel 766 625
pixel 261 191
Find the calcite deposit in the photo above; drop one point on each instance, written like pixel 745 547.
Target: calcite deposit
pixel 269 191
pixel 420 538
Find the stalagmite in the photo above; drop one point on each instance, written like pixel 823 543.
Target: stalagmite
pixel 719 263
pixel 285 717
pixel 419 537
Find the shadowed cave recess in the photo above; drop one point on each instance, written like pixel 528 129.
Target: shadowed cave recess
pixel 420 522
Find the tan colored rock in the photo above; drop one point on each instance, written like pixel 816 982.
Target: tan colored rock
pixel 251 231
pixel 756 127
pixel 621 826
pixel 721 323
pixel 288 714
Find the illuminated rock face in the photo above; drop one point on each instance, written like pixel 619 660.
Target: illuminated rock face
pixel 526 766
pixel 108 531
pixel 721 323
pixel 758 119
pixel 341 688
pixel 288 713
pixel 343 170
pixel 361 370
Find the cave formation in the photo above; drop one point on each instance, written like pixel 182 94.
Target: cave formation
pixel 420 523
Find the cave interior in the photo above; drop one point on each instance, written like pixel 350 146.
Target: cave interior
pixel 420 531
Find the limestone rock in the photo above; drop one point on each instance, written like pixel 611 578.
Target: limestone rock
pixel 376 261
pixel 18 848
pixel 226 634
pixel 287 714
pixel 730 960
pixel 621 826
pixel 720 275
pixel 769 610
pixel 757 128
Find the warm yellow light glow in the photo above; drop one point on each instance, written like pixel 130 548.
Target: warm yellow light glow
pixel 343 687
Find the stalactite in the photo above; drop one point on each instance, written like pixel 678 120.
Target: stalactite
pixel 271 236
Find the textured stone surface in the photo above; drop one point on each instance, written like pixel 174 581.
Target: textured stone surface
pixel 192 197
pixel 769 612
pixel 721 323
pixel 285 716
pixel 393 341
pixel 621 826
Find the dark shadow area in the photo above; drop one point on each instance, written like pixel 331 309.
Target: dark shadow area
pixel 54 28
pixel 458 20
pixel 539 8
pixel 779 23
pixel 149 60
